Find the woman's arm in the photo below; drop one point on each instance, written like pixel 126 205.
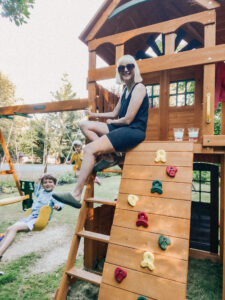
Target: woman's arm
pixel 112 114
pixel 136 100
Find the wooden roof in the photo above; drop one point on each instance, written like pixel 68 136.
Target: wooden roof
pixel 115 16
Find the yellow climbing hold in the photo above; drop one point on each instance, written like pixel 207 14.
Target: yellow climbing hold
pixel 148 261
pixel 160 156
pixel 132 199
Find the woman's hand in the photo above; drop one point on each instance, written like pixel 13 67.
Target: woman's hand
pixel 88 113
pixel 109 121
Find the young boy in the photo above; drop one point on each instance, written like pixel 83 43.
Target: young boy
pixel 77 157
pixel 43 193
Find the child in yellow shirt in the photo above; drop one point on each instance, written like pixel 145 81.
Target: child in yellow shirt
pixel 77 157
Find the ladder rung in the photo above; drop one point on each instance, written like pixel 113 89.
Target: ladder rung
pixel 101 201
pixel 6 172
pixel 111 171
pixel 94 236
pixel 85 275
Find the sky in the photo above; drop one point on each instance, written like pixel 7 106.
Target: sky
pixel 35 56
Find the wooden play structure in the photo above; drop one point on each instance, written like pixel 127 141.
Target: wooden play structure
pixel 178 45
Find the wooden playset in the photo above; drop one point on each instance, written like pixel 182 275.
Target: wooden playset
pixel 147 235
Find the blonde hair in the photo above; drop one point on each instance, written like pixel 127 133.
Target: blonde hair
pixel 128 59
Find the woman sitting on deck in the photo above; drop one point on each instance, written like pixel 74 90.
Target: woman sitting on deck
pixel 124 129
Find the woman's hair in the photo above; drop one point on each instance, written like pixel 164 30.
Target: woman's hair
pixel 124 60
pixel 48 176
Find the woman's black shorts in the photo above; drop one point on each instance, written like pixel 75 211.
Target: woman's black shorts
pixel 124 138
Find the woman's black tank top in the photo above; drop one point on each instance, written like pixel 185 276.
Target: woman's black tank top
pixel 141 118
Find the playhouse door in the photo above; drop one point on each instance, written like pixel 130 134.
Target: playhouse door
pixel 204 209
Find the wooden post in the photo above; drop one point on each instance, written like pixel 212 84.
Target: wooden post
pixel 164 105
pixel 92 60
pixel 223 118
pixel 169 43
pixel 9 160
pixel 222 218
pixel 119 52
pixel 92 85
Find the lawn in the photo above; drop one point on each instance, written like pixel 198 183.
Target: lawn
pixel 21 283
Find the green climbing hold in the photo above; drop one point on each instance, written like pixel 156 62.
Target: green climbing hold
pixel 142 298
pixel 164 242
pixel 156 187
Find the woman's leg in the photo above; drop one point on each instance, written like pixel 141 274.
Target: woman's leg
pixel 91 150
pixel 10 235
pixel 93 129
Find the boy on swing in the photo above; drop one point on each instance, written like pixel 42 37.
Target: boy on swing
pixel 43 193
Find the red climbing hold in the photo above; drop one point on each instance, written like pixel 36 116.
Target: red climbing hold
pixel 120 274
pixel 142 219
pixel 171 171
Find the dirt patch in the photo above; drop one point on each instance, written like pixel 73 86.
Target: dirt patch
pixel 52 244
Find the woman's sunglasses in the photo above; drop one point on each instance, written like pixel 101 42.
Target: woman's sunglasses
pixel 129 68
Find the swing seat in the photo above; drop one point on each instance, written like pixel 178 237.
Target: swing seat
pixel 43 217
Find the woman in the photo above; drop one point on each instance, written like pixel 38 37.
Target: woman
pixel 124 129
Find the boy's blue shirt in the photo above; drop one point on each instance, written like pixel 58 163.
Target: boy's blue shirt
pixel 43 198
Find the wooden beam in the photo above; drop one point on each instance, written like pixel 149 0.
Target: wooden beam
pixel 164 106
pixel 102 20
pixel 204 18
pixel 214 140
pixel 119 52
pixel 178 60
pixel 92 60
pixel 223 118
pixel 47 107
pixel 200 254
pixel 170 43
pixel 222 199
pixel 209 4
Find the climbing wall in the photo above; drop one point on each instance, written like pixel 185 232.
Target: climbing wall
pixel 162 211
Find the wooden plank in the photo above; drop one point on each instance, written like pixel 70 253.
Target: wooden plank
pixel 167 146
pixel 112 293
pixel 164 105
pixel 6 172
pixel 119 52
pixel 200 254
pixel 148 242
pixel 178 60
pixel 184 174
pixel 172 190
pixel 9 161
pixel 12 200
pixel 214 140
pixel 162 225
pixel 47 107
pixel 210 35
pixel 85 275
pixel 92 60
pixel 166 27
pixel 170 43
pixel 94 236
pixel 101 201
pixel 184 159
pixel 102 19
pixel 165 267
pixel 223 118
pixel 165 207
pixel 145 284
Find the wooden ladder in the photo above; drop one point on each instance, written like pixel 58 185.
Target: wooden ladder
pixel 71 273
pixel 10 163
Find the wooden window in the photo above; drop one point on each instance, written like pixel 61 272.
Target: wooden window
pixel 182 93
pixel 153 94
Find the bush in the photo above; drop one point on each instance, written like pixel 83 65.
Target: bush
pixel 8 187
pixel 67 178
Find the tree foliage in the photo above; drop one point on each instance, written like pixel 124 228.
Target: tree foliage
pixel 16 10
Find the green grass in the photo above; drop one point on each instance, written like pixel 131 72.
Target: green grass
pixel 18 283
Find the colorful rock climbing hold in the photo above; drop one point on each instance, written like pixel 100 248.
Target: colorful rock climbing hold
pixel 120 274
pixel 157 187
pixel 148 261
pixel 142 298
pixel 132 199
pixel 164 242
pixel 142 219
pixel 160 156
pixel 171 171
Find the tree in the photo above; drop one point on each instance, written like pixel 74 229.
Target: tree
pixel 64 125
pixel 16 10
